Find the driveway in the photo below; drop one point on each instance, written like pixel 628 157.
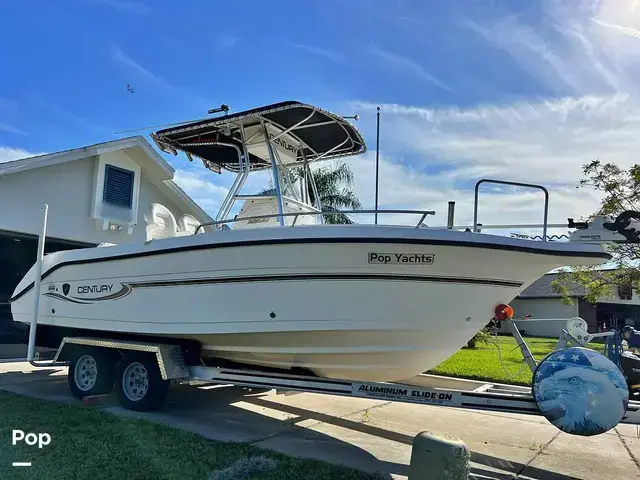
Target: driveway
pixel 371 435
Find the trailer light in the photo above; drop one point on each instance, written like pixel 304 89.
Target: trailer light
pixel 504 311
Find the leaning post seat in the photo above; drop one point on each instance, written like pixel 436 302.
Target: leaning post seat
pixel 188 224
pixel 161 223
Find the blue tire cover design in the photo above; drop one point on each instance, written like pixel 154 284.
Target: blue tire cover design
pixel 580 391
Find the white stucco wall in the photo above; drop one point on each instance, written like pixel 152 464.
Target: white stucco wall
pixel 543 308
pixel 548 316
pixel 68 189
pixel 615 298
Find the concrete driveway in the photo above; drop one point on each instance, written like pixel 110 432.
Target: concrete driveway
pixel 371 435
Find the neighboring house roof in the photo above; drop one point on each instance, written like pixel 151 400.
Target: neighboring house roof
pixel 161 174
pixel 543 288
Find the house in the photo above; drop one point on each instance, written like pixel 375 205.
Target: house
pixel 547 314
pixel 99 193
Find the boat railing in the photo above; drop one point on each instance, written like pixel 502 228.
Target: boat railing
pixel 218 223
pixel 475 228
pixel 545 225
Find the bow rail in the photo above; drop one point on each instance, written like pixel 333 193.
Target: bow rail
pixel 218 223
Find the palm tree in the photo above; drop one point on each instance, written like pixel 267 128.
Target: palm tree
pixel 334 189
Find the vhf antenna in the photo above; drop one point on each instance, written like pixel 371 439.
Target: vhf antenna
pixel 223 108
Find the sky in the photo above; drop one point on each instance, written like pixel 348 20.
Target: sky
pixel 522 90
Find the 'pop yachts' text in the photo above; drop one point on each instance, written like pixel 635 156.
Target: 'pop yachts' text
pixel 402 258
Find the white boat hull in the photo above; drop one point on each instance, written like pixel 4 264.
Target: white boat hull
pixel 315 298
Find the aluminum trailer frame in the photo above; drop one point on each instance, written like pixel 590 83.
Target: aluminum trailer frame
pixel 503 398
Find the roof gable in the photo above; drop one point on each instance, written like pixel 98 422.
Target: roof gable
pixel 49 159
pixel 157 169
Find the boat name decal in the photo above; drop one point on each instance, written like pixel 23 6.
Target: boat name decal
pixel 258 220
pixel 94 288
pixel 417 395
pixel 401 258
pixel 280 142
pixel 107 289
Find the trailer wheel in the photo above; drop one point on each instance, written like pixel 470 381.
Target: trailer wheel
pixel 92 372
pixel 139 385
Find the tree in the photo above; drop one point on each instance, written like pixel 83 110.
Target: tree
pixel 621 190
pixel 334 189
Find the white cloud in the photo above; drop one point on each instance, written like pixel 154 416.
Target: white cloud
pixel 66 115
pixel 403 187
pixel 206 193
pixel 623 16
pixel 126 6
pixel 547 141
pixel 433 155
pixel 631 32
pixel 8 154
pixel 138 70
pixel 209 189
pixel 566 57
pixel 321 52
pixel 120 56
pixel 226 41
pixel 192 182
pixel 8 106
pixel 400 62
pixel 4 127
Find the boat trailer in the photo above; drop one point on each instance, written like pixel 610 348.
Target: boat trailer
pixel 165 364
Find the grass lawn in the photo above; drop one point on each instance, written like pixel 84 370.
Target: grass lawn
pixel 90 444
pixel 482 363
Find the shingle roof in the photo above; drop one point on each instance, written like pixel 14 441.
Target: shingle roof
pixel 542 288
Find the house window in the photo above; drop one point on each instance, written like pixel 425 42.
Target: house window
pixel 118 186
pixel 625 292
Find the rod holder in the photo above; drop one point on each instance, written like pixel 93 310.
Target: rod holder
pixel 450 215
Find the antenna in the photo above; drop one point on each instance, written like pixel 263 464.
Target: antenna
pixel 223 108
pixel 377 159
pixel 157 126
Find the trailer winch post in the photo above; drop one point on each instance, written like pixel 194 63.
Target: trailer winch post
pixel 36 287
pixel 524 348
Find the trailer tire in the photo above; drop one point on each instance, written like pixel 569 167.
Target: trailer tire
pixel 92 372
pixel 139 384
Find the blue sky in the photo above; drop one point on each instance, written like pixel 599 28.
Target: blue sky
pixel 520 89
